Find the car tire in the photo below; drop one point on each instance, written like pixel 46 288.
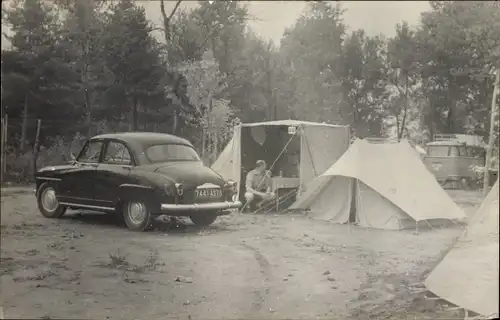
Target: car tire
pixel 203 219
pixel 137 216
pixel 47 202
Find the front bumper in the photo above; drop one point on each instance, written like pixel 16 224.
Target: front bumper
pixel 175 208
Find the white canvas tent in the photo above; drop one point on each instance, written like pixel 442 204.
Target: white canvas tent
pixel 320 145
pixel 468 275
pixel 382 186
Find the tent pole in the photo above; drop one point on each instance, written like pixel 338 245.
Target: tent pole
pixel 301 137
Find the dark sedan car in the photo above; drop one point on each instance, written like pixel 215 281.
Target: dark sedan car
pixel 138 175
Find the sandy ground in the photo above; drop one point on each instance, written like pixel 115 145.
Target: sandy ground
pixel 244 266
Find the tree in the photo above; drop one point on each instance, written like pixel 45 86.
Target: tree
pixel 36 71
pixel 459 42
pixel 133 58
pixel 167 19
pixel 363 83
pixel 402 76
pixel 222 27
pixel 205 85
pixel 312 52
pixel 256 85
pixel 82 38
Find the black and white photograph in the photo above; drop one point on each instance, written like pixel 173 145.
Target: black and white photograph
pixel 219 159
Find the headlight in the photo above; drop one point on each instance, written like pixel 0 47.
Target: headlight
pixel 180 189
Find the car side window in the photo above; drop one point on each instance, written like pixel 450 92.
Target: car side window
pixel 91 152
pixel 117 153
pixel 454 152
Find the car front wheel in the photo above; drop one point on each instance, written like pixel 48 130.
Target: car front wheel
pixel 47 202
pixel 203 219
pixel 137 216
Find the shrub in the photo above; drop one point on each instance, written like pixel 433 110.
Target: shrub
pixel 479 175
pixel 19 168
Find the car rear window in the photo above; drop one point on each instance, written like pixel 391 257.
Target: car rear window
pixel 171 152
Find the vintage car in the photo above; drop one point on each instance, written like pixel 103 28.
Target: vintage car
pixel 137 176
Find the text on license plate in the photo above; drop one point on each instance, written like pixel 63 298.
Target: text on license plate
pixel 208 193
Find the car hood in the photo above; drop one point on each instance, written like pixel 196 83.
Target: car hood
pixel 190 174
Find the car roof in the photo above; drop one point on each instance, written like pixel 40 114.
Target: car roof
pixel 144 138
pixel 445 143
pixel 453 143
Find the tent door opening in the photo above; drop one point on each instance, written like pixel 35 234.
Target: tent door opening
pixel 275 145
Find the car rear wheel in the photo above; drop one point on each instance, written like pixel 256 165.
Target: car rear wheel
pixel 203 219
pixel 137 216
pixel 47 202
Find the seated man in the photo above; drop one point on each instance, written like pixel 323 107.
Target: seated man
pixel 258 185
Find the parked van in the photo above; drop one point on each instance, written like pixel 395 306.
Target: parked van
pixel 451 158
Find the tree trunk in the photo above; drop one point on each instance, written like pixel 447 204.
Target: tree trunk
pixel 203 134
pixel 174 125
pixel 24 126
pixel 134 113
pixel 166 31
pixel 405 111
pixel 209 145
pixel 167 19
pixel 88 112
pixel 450 115
pixel 398 127
pixel 270 105
pixel 215 150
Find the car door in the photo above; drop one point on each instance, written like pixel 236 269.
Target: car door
pixel 77 186
pixel 113 171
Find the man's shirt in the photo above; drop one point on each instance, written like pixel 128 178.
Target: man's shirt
pixel 258 181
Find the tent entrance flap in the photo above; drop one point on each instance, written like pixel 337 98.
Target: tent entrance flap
pixel 279 149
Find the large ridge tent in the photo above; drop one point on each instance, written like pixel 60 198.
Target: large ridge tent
pixel 382 186
pixel 468 274
pixel 307 146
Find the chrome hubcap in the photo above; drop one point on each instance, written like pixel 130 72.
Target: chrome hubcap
pixel 49 200
pixel 136 212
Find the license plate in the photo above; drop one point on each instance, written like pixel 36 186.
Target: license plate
pixel 208 193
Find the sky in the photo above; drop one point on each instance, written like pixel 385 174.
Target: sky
pixel 271 18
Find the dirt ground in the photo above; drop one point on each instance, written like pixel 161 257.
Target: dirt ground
pixel 244 266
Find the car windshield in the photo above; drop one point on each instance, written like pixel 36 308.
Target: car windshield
pixel 438 151
pixel 171 152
